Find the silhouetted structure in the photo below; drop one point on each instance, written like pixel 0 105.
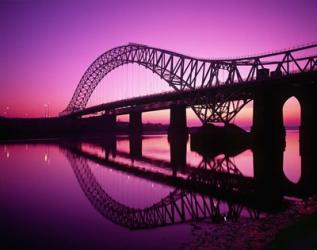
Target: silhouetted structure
pixel 184 72
pixel 135 125
pixel 211 140
pixel 135 143
pixel 178 149
pixel 270 79
pixel 178 124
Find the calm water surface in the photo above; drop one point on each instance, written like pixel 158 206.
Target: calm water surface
pixel 59 196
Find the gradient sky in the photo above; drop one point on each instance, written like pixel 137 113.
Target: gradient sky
pixel 46 46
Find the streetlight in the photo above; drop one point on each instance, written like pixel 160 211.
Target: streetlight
pixel 6 112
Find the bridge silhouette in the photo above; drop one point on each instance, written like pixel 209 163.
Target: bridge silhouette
pixel 268 80
pixel 182 73
pixel 202 191
pixel 215 89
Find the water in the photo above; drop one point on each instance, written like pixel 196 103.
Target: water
pixel 61 195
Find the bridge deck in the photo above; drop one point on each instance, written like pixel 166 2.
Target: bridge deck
pixel 187 97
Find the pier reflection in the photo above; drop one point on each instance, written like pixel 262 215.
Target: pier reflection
pixel 191 200
pixel 215 187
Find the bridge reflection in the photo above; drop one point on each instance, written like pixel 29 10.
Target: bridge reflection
pixel 181 205
pixel 200 190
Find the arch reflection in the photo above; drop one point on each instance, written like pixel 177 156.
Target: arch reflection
pixel 213 188
pixel 181 205
pixel 291 165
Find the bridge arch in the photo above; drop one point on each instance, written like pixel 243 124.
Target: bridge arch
pixel 179 71
pixel 292 120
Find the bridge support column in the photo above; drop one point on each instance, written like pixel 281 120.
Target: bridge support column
pixel 135 143
pixel 177 137
pixel 110 146
pixel 308 140
pixel 109 123
pixel 268 134
pixel 135 123
pixel 268 176
pixel 178 120
pixel 268 128
pixel 178 151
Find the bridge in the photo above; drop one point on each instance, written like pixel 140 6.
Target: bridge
pixel 266 79
pixel 183 73
pixel 215 89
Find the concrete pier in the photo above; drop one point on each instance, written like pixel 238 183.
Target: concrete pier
pixel 135 123
pixel 178 123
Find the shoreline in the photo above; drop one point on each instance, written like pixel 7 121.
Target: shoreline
pixel 269 232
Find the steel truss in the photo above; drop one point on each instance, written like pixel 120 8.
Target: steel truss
pixel 183 72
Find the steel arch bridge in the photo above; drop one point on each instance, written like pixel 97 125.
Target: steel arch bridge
pixel 183 72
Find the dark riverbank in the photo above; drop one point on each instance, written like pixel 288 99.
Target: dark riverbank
pixel 17 129
pixel 300 235
pixel 294 228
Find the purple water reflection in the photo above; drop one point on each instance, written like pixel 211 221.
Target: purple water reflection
pixel 43 205
pixel 292 160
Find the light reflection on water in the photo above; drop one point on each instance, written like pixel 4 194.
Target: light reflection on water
pixel 41 197
pixel 292 161
pixel 125 188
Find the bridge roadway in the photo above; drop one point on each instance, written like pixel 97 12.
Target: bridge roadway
pixel 233 92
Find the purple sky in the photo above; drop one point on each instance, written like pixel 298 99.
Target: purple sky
pixel 46 46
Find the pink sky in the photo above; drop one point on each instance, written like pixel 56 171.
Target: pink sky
pixel 46 46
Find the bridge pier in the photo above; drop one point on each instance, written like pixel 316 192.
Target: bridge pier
pixel 135 123
pixel 109 123
pixel 110 146
pixel 177 137
pixel 178 122
pixel 135 144
pixel 308 139
pixel 268 129
pixel 178 151
pixel 268 175
pixel 268 135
